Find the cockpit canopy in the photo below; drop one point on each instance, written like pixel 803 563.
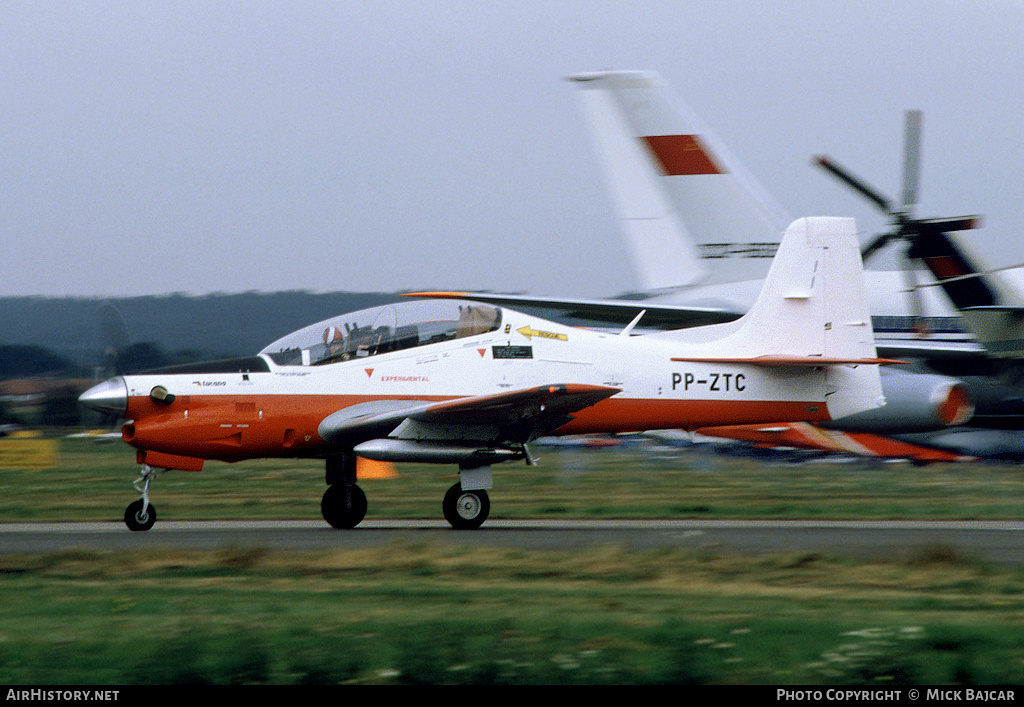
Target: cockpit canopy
pixel 392 327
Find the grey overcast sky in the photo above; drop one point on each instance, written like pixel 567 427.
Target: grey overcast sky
pixel 154 147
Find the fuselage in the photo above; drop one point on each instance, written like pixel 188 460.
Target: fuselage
pixel 273 407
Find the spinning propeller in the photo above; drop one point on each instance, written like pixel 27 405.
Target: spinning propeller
pixel 905 225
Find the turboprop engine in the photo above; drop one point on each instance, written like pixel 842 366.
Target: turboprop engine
pixel 914 402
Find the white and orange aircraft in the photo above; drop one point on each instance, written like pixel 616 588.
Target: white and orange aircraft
pixel 469 383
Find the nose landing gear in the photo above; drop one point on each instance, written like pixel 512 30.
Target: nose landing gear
pixel 141 515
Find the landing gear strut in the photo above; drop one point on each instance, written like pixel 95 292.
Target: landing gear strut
pixel 141 515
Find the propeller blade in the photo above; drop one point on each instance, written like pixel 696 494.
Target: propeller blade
pixel 920 324
pixel 879 242
pixel 114 338
pixel 911 159
pixel 916 232
pixel 943 225
pixel 853 182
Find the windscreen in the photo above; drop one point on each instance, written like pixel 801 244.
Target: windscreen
pixel 392 327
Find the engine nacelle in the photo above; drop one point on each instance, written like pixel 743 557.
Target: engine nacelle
pixel 914 402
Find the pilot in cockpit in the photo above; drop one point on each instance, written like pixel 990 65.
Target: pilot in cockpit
pixel 334 344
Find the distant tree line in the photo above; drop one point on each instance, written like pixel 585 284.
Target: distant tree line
pixel 30 361
pixel 82 338
pixel 27 361
pixel 219 325
pixel 59 405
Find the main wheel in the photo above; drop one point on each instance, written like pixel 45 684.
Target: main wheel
pixel 339 513
pixel 466 510
pixel 137 518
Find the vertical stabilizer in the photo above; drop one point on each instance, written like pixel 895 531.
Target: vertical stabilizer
pixel 812 311
pixel 683 201
pixel 991 303
pixel 813 301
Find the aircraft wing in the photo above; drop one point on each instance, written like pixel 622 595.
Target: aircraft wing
pixel 804 435
pixel 667 316
pixel 663 316
pixel 923 348
pixel 515 416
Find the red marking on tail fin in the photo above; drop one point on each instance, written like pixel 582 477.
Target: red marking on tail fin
pixel 683 154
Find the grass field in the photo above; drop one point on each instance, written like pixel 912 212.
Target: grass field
pixel 417 613
pixel 92 482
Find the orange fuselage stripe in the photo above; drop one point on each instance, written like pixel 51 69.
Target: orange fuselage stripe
pixel 231 428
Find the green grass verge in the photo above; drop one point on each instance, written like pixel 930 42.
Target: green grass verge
pixel 93 483
pixel 426 614
pixel 410 613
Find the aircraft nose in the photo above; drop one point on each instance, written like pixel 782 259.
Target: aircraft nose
pixel 110 396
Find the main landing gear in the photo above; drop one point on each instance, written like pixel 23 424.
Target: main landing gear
pixel 344 504
pixel 466 505
pixel 465 510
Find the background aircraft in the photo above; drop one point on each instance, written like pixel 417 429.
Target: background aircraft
pixel 681 197
pixel 990 303
pixel 473 384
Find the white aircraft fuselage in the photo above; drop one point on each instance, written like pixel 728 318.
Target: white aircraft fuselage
pixel 278 412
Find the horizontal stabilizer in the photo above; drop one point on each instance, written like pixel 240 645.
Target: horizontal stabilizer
pixel 778 361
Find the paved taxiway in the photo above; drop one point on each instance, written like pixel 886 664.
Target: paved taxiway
pixel 993 541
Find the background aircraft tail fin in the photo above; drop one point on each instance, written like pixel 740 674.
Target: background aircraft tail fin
pixel 991 302
pixel 683 201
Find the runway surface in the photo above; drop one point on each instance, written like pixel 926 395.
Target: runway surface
pixel 1000 542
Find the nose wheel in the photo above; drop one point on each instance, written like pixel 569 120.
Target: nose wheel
pixel 141 515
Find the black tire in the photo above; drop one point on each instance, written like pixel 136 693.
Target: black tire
pixel 136 519
pixel 339 514
pixel 466 510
